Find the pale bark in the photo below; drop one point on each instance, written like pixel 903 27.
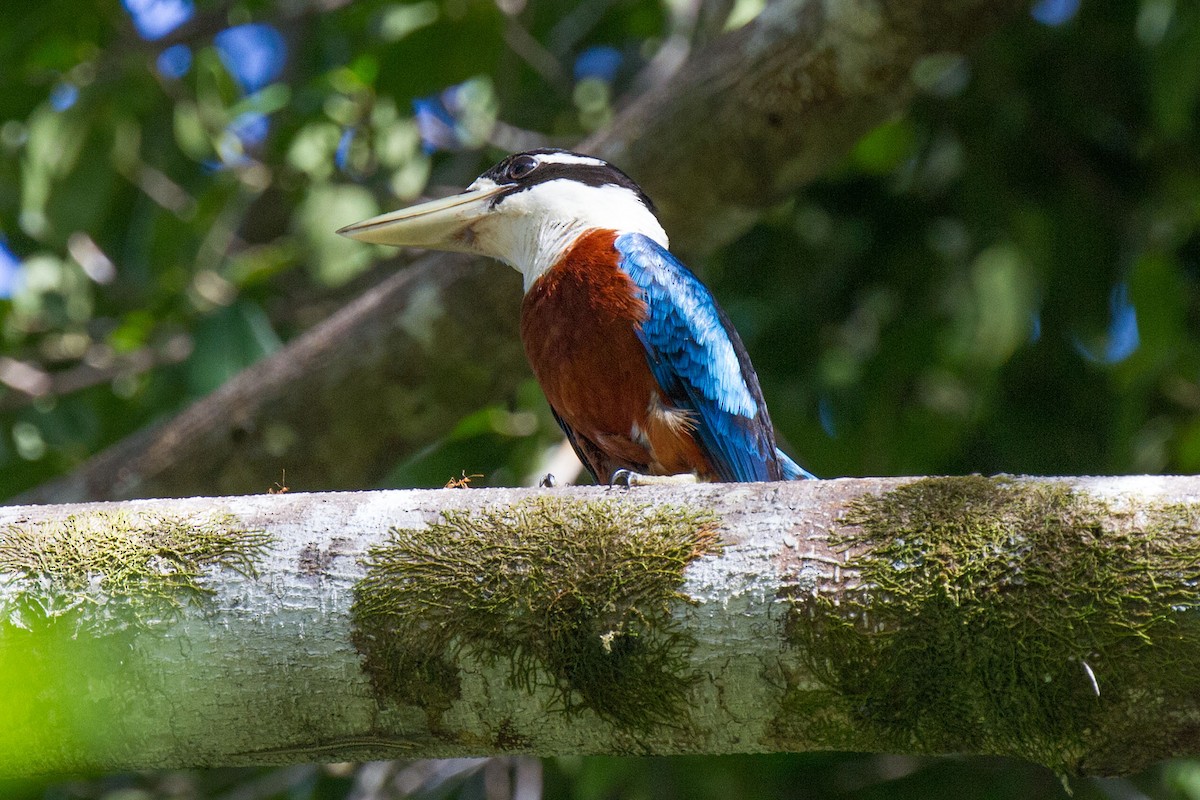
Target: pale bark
pixel 1015 622
pixel 745 121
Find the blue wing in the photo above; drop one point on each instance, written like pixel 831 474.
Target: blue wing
pixel 702 366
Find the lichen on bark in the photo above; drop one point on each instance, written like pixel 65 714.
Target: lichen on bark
pixel 572 596
pixel 150 564
pixel 995 615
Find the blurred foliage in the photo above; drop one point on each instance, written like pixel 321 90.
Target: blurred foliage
pixel 1006 278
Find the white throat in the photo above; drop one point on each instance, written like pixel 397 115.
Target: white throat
pixel 532 230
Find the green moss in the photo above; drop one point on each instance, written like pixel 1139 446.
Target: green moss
pixel 572 595
pixel 77 595
pixel 984 610
pixel 150 564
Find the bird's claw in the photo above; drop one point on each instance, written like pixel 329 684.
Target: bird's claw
pixel 548 481
pixel 627 478
pixel 624 478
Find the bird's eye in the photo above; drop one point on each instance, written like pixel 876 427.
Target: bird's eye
pixel 521 166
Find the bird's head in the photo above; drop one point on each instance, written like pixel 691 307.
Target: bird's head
pixel 526 211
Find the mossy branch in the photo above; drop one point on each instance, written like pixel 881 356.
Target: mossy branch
pixel 1050 619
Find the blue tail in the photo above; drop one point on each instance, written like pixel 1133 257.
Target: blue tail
pixel 791 470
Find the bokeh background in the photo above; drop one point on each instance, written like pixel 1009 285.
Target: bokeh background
pixel 1005 278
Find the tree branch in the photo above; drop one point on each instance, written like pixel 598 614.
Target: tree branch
pixel 769 107
pixel 336 406
pixel 748 119
pixel 1051 619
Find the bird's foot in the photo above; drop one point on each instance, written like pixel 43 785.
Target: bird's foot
pixel 628 478
pixel 548 481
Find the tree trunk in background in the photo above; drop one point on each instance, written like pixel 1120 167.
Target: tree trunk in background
pixel 1050 619
pixel 744 122
pixel 771 106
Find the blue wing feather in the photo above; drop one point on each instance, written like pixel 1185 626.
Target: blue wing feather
pixel 791 470
pixel 699 361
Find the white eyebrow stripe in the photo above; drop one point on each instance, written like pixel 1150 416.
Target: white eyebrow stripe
pixel 569 158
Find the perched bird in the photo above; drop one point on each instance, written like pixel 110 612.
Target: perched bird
pixel 643 370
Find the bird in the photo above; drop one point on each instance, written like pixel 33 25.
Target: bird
pixel 641 367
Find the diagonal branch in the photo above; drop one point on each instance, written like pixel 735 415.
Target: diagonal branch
pixel 769 107
pixel 748 119
pixel 336 406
